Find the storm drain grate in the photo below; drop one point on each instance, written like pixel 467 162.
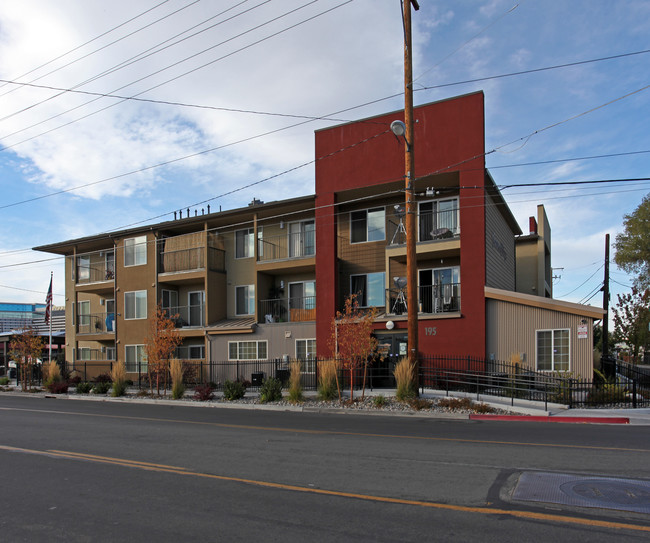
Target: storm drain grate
pixel 603 492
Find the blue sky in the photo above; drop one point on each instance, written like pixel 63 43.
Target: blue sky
pixel 327 56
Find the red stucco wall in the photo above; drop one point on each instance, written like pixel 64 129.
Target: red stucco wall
pixel 449 136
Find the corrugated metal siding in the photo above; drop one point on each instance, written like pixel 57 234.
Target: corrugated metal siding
pixel 499 249
pixel 511 328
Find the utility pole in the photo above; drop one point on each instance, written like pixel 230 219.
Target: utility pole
pixel 604 358
pixel 411 208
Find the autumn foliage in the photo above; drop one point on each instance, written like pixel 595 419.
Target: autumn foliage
pixel 352 339
pixel 25 349
pixel 162 342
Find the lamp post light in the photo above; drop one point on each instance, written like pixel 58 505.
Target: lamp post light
pixel 405 130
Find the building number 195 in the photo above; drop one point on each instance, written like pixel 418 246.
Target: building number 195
pixel 430 331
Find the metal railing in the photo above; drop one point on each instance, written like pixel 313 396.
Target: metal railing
pixel 186 315
pixel 94 355
pixel 432 299
pixel 296 309
pixel 94 274
pixel 430 227
pixel 288 246
pixel 96 323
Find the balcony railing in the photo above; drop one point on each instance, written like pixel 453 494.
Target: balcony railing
pixel 192 259
pixel 96 323
pixel 432 299
pixel 288 310
pixel 187 315
pixel 94 274
pixel 429 226
pixel 295 245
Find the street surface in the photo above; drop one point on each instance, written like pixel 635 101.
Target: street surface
pixel 75 470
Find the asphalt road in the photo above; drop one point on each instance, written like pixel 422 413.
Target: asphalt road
pixel 100 471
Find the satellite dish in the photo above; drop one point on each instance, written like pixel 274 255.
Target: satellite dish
pixel 399 211
pixel 399 282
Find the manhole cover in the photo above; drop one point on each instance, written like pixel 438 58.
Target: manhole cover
pixel 603 492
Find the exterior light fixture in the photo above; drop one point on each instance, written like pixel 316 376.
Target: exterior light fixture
pixel 390 325
pixel 399 129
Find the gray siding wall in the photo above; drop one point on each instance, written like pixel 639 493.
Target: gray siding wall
pixel 275 334
pixel 499 249
pixel 511 329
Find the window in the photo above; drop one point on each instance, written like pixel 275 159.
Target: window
pixel 247 350
pixel 195 303
pixel 553 350
pixel 135 304
pixel 244 243
pixel 438 219
pixel 83 269
pixel 245 300
pixel 369 289
pixel 306 353
pixel 169 302
pixel 84 316
pixel 135 358
pixel 439 290
pixel 302 239
pixel 135 251
pixel 368 225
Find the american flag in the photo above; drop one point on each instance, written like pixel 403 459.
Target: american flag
pixel 48 303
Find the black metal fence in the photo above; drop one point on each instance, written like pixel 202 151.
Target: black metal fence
pixel 628 386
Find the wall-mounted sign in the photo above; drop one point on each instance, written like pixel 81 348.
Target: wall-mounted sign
pixel 583 331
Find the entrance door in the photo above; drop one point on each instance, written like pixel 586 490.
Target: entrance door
pixel 195 302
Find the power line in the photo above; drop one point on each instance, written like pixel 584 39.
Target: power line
pixel 86 43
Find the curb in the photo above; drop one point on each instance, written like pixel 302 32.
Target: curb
pixel 570 420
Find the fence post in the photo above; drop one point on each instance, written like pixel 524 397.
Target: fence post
pixel 634 393
pixel 85 373
pixel 570 393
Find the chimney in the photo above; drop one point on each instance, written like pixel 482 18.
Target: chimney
pixel 532 225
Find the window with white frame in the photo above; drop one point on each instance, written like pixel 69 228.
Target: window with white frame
pixel 244 243
pixel 135 358
pixel 302 238
pixel 369 288
pixel 83 316
pixel 368 225
pixel 135 304
pixel 83 268
pixel 247 350
pixel 245 300
pixel 135 251
pixel 306 353
pixel 553 350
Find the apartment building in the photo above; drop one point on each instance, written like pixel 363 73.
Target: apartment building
pixel 264 281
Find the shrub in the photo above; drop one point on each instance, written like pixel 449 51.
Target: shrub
pixel 271 390
pixel 482 408
pixel 57 387
pixel 176 372
pixel 103 378
pixel 101 387
pixel 4 381
pixel 405 378
pixel 295 387
pixel 327 389
pixel 234 390
pixel 51 373
pixel 204 393
pixel 455 403
pixel 419 403
pixel 74 381
pixel 118 376
pixel 84 388
pixel 379 401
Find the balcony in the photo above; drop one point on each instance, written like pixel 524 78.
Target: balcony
pixel 431 226
pixel 288 246
pixel 87 274
pixel 297 309
pixel 192 259
pixel 187 315
pixel 96 323
pixel 432 299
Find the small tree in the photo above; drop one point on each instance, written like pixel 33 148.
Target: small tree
pixel 163 340
pixel 25 349
pixel 632 246
pixel 352 339
pixel 631 317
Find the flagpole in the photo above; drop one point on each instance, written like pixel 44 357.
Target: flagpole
pixel 49 301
